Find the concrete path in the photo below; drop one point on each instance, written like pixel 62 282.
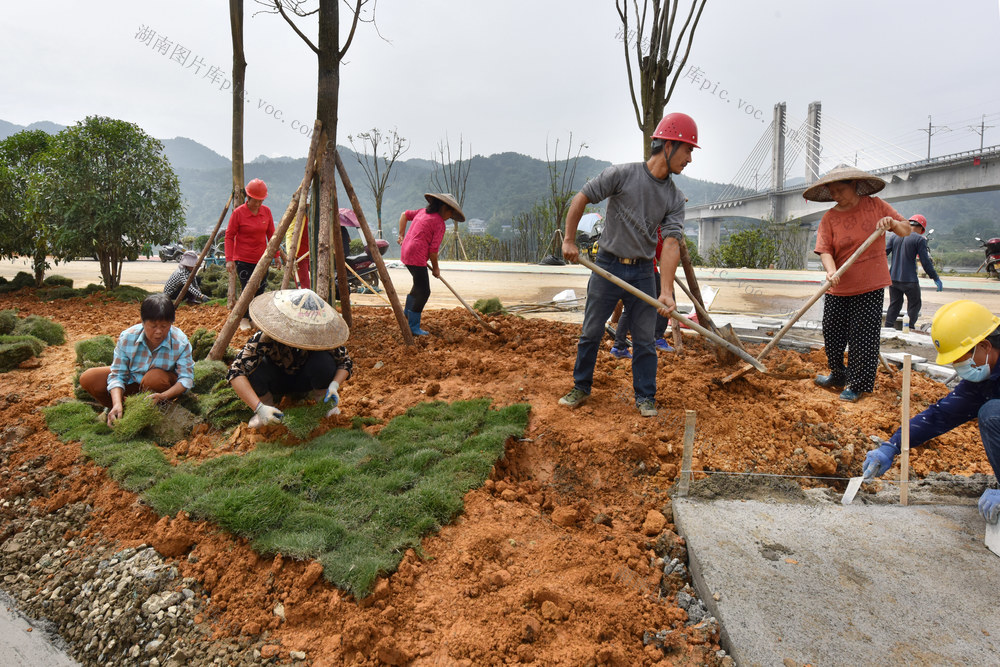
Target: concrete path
pixel 23 643
pixel 825 584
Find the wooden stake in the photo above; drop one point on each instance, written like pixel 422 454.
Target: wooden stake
pixel 366 284
pixel 292 263
pixel 904 439
pixel 390 290
pixel 684 485
pixel 204 253
pixel 260 272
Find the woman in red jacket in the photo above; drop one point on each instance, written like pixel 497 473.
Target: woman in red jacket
pixel 251 226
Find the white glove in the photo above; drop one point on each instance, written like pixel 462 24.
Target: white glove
pixel 332 392
pixel 268 414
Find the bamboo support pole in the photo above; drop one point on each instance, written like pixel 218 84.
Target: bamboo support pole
pixel 260 271
pixel 684 485
pixel 383 272
pixel 204 253
pixel 904 437
pixel 292 262
pixel 366 284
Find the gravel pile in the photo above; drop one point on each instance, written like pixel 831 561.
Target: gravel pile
pixel 110 606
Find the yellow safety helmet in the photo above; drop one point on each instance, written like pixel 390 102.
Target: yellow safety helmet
pixel 958 326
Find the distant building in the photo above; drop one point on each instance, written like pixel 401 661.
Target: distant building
pixel 476 226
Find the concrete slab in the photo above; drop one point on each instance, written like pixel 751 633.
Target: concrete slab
pixel 832 585
pixel 23 643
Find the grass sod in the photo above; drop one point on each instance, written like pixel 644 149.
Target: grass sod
pixel 41 327
pixel 99 350
pixel 353 501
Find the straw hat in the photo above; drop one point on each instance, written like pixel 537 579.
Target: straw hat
pixel 866 183
pixel 189 259
pixel 299 318
pixel 449 199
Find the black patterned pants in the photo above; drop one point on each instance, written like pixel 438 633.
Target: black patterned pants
pixel 853 323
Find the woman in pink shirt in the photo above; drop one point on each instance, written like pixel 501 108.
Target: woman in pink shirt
pixel 852 307
pixel 422 243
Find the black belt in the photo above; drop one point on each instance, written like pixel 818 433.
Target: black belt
pixel 624 260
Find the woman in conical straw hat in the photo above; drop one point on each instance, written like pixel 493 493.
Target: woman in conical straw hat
pixel 299 349
pixel 852 307
pixel 421 244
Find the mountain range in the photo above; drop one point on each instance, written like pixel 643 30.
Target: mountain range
pixel 499 186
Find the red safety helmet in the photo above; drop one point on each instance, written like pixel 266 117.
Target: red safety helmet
pixel 677 127
pixel 257 189
pixel 919 219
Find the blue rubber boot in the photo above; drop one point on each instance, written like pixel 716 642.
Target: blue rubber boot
pixel 414 320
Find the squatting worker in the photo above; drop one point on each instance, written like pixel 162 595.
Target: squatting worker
pixel 642 198
pixel 175 283
pixel 966 335
pixel 421 244
pixel 298 350
pixel 852 308
pixel 251 226
pixel 903 253
pixel 152 356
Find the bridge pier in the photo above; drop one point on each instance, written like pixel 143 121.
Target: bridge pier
pixel 709 233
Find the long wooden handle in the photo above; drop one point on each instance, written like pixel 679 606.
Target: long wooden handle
pixel 822 290
pixel 742 354
pixel 469 308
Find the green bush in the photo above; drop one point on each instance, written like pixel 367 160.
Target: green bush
pixel 20 281
pixel 42 327
pixel 128 293
pixel 57 281
pixel 12 354
pixel 37 344
pixel 201 343
pixel 8 320
pixel 53 293
pixel 99 351
pixel 91 288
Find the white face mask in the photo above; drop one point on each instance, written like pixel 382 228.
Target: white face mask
pixel 969 370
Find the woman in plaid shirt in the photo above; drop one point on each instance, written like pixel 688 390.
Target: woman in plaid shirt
pixel 152 356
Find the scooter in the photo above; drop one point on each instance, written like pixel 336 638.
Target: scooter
pixel 992 261
pixel 364 265
pixel 171 252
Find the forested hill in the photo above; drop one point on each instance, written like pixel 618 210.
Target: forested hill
pixel 498 188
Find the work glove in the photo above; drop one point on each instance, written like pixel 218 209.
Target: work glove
pixel 878 461
pixel 268 414
pixel 331 392
pixel 989 505
pixel 940 285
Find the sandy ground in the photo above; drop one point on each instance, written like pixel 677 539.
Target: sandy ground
pixel 560 557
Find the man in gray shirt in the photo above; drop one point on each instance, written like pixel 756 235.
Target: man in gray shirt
pixel 641 198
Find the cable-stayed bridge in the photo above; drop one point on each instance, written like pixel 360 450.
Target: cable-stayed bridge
pixel 752 194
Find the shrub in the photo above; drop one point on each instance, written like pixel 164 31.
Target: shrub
pixel 53 293
pixel 8 320
pixel 12 354
pixel 129 293
pixel 42 327
pixel 99 351
pixel 57 281
pixel 20 281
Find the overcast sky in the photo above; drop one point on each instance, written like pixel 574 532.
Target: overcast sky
pixel 509 76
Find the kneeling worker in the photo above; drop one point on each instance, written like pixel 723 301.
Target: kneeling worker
pixel 175 283
pixel 152 356
pixel 967 336
pixel 299 349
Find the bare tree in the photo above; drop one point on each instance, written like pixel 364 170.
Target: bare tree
pixel 561 177
pixel 329 54
pixel 378 165
pixel 451 176
pixel 647 48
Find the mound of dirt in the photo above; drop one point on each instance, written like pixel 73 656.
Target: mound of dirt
pixel 566 555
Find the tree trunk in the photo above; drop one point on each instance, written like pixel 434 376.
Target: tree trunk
pixel 239 83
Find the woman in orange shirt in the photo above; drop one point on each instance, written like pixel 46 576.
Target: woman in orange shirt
pixel 852 308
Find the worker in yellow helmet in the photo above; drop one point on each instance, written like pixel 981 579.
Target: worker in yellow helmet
pixel 966 335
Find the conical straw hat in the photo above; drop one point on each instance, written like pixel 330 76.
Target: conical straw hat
pixel 299 318
pixel 449 199
pixel 867 184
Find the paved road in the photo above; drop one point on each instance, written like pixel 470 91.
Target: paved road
pixel 23 643
pixel 740 291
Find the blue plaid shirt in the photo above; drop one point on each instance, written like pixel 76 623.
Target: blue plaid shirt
pixel 133 358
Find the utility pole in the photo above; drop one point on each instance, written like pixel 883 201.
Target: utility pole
pixel 981 131
pixel 931 131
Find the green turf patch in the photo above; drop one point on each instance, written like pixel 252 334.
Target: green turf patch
pixel 41 327
pixel 8 320
pixel 352 501
pixel 490 306
pixel 301 420
pixel 99 351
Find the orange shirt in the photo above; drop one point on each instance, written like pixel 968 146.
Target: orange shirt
pixel 842 232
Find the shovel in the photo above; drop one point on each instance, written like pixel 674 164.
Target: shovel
pixel 742 354
pixel 486 325
pixel 802 311
pixel 852 490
